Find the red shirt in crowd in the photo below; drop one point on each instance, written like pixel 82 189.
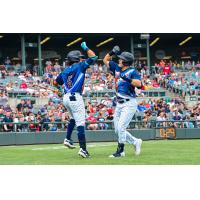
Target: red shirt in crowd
pixel 166 69
pixel 48 68
pixel 110 110
pixel 91 119
pixel 155 84
pixel 23 85
pixel 162 63
pixel 92 109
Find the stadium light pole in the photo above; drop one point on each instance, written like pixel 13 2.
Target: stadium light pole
pixel 146 36
pixel 132 44
pixel 148 53
pixel 23 52
pixel 39 55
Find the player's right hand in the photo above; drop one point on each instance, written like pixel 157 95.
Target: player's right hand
pixel 84 46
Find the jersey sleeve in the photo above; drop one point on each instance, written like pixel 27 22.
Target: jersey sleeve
pixel 113 65
pixel 135 75
pixel 85 64
pixel 59 79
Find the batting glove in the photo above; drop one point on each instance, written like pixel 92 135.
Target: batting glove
pixel 84 46
pixel 125 78
pixel 115 51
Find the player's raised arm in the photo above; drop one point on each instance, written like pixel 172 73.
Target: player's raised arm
pixel 108 56
pixel 91 56
pixel 90 53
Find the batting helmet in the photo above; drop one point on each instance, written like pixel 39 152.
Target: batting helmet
pixel 74 56
pixel 127 58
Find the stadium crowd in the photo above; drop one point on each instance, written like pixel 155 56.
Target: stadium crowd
pixel 53 116
pixel 167 75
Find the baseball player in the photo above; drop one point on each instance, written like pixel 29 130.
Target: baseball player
pixel 127 78
pixel 73 78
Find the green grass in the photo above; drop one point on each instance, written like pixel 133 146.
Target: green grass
pixel 160 152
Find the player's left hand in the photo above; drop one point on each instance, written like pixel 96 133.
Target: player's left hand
pixel 59 94
pixel 115 51
pixel 125 78
pixel 84 46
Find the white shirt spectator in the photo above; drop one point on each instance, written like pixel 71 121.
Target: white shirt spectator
pixel 95 67
pixel 159 118
pixel 57 68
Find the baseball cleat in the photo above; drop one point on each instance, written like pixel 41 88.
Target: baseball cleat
pixel 117 155
pixel 83 153
pixel 69 144
pixel 138 147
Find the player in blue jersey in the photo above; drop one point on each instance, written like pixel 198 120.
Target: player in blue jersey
pixel 72 78
pixel 127 78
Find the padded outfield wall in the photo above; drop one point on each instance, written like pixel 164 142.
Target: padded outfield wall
pixel 92 136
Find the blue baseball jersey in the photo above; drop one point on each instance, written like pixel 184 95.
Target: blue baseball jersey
pixel 124 88
pixel 73 76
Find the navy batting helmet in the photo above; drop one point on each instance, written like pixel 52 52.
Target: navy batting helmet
pixel 127 58
pixel 74 56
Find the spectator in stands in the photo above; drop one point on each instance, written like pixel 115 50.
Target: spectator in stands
pixel 152 120
pixel 31 116
pixel 32 126
pixel 167 108
pixel 16 86
pixel 48 67
pixel 177 117
pixel 57 68
pixel 188 124
pixel 166 69
pixel 22 127
pixel 29 105
pixel 2 115
pixel 101 119
pixel 9 86
pixel 20 106
pixel 107 101
pixel 45 121
pixel 3 99
pixel 146 118
pixel 23 85
pixel 7 62
pixel 92 120
pixel 161 117
pixel 35 69
pixel 52 125
pixel 87 90
pixel 198 120
pixel 110 116
pixel 38 119
pixel 3 74
pixel 162 63
pixel 141 106
pixel 8 119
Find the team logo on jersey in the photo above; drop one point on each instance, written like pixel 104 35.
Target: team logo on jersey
pixel 69 81
pixel 126 75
